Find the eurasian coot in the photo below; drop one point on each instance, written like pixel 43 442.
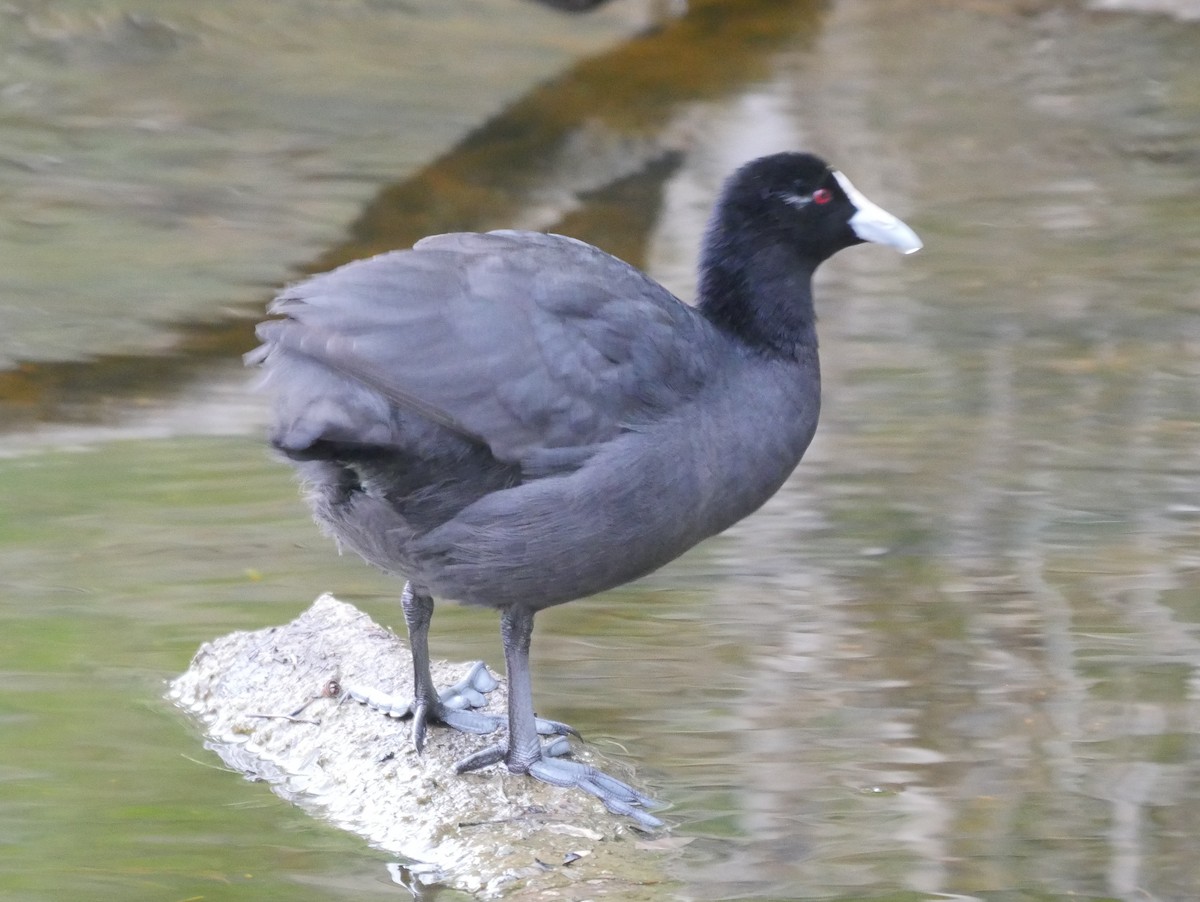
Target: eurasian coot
pixel 516 420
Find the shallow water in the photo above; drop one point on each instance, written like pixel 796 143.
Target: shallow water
pixel 957 656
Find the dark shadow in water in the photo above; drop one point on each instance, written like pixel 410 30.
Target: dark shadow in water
pixel 573 6
pixel 627 96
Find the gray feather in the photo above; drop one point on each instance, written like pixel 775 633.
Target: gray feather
pixel 520 341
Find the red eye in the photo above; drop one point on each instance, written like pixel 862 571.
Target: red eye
pixel 822 196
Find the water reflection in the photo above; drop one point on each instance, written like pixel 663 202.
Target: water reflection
pixel 956 656
pixel 549 161
pixel 163 163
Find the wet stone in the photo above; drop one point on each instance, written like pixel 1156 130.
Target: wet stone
pixel 488 833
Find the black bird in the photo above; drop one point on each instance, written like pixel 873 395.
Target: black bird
pixel 517 420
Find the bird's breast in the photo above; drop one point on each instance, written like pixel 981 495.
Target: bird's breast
pixel 643 499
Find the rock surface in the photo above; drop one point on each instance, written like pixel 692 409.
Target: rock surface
pixel 488 833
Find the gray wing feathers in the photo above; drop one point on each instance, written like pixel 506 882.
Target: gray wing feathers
pixel 523 341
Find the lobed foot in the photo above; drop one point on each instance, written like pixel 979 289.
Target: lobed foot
pixel 454 704
pixel 453 707
pixel 471 691
pixel 550 767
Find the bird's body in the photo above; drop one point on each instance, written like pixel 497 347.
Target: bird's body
pixel 482 532
pixel 517 420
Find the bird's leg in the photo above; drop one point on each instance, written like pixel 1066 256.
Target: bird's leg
pixel 524 746
pixel 451 706
pixel 524 752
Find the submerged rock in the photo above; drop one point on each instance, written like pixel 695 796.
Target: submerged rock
pixel 486 832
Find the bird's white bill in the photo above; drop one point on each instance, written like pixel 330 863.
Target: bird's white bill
pixel 873 223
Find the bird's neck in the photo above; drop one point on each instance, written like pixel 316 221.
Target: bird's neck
pixel 760 291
